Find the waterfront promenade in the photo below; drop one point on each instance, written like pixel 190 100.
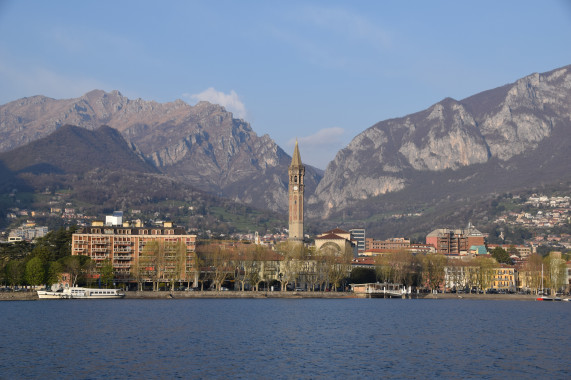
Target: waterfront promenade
pixel 28 296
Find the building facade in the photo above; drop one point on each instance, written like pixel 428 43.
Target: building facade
pixel 338 240
pixel 358 235
pixel 455 242
pixel 123 246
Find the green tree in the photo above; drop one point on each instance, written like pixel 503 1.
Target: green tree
pixel 106 273
pixel 76 266
pixel 15 251
pixel 501 255
pixel 55 245
pixel 35 271
pixel 363 275
pixel 54 270
pixel 15 272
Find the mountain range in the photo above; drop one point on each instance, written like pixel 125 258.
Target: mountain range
pixel 435 164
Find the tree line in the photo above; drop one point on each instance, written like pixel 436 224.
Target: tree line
pixel 215 264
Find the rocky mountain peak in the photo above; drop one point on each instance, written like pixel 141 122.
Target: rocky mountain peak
pixel 203 145
pixel 499 124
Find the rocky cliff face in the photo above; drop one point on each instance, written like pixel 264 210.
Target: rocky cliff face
pixel 496 131
pixel 202 145
pixel 501 124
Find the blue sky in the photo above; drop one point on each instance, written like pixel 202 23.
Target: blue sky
pixel 318 71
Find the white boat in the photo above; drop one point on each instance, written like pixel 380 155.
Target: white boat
pixel 80 293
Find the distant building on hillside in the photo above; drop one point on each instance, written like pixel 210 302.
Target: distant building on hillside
pixel 522 250
pixel 455 242
pixel 28 232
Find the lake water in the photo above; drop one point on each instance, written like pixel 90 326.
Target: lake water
pixel 284 339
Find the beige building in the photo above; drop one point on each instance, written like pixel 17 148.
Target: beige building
pixel 336 239
pixel 123 245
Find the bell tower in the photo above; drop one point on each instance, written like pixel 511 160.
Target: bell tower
pixel 296 173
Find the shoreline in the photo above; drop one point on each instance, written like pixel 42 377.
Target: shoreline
pixel 32 296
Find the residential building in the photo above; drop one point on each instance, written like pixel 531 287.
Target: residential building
pixel 359 236
pixel 458 241
pixel 28 232
pixel 392 243
pixel 124 244
pixel 504 278
pixel 522 250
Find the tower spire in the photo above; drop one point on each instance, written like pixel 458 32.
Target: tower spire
pixel 296 173
pixel 296 159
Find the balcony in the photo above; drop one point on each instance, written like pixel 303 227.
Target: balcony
pixel 123 243
pixel 124 250
pixel 99 257
pixel 123 257
pixel 121 265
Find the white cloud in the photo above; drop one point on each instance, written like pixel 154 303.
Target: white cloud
pixel 321 147
pixel 229 101
pixel 325 136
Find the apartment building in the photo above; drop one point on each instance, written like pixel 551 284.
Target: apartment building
pixel 523 250
pixel 359 236
pixel 455 242
pixel 124 244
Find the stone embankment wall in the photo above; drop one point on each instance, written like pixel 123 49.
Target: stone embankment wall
pixel 18 296
pixel 235 294
pixel 27 296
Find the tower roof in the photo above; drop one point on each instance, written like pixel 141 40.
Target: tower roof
pixel 296 159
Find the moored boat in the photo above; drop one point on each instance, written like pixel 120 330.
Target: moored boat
pixel 80 293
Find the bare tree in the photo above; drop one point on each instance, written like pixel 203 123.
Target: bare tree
pixel 531 272
pixel 219 260
pixel 294 257
pixel 253 266
pixel 433 270
pixel 337 262
pixel 554 271
pixel 485 271
pixel 152 262
pixel 383 268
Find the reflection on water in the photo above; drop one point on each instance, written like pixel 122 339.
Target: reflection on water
pixel 281 338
